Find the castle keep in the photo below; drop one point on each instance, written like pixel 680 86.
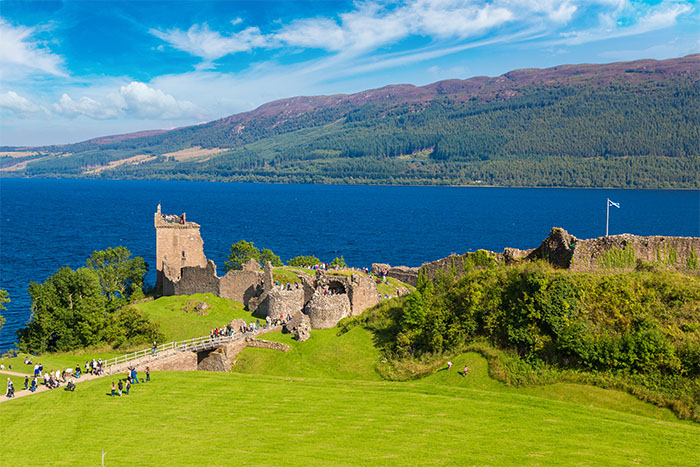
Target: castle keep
pixel 178 245
pixel 322 299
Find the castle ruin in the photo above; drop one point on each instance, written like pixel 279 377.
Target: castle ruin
pixel 183 269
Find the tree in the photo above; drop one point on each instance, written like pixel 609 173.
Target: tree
pixel 241 252
pixel 267 255
pixel 4 298
pixel 68 312
pixel 307 260
pixel 338 263
pixel 121 276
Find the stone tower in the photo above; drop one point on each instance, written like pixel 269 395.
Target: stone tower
pixel 178 245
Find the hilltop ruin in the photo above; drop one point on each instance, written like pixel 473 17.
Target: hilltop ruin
pixel 324 298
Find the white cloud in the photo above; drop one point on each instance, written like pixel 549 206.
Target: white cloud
pixel 135 99
pixel 17 104
pixel 140 100
pixel 202 42
pixel 84 106
pixel 20 55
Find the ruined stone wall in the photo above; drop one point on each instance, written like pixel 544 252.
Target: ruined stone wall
pixel 675 252
pixel 362 294
pixel 263 344
pixel 181 361
pixel 195 280
pixel 240 285
pixel 404 274
pixel 324 311
pixel 280 303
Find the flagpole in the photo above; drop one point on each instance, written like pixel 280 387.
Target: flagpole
pixel 607 216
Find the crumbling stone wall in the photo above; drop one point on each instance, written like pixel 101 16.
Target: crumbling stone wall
pixel 280 303
pixel 675 252
pixel 240 285
pixel 404 274
pixel 193 280
pixel 362 294
pixel 324 311
pixel 264 344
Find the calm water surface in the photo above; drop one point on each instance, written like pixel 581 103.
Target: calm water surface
pixel 46 224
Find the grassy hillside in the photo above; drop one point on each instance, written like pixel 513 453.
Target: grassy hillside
pixel 178 319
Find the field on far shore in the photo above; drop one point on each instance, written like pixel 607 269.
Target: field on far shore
pixel 323 403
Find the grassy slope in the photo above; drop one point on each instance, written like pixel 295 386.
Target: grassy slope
pixel 176 324
pixel 323 403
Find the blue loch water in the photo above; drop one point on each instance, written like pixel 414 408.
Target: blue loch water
pixel 45 224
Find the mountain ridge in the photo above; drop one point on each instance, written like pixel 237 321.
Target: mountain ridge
pixel 572 114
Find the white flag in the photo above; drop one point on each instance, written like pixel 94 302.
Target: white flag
pixel 613 203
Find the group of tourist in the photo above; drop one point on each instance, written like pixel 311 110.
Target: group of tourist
pixel 279 321
pixel 125 384
pixel 223 331
pixel 288 286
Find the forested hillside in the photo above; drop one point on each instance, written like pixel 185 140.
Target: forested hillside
pixel 629 124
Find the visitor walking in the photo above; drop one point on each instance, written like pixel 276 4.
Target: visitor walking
pixel 120 386
pixel 155 347
pixel 449 365
pixel 112 388
pixel 466 370
pixel 148 374
pixel 128 386
pixel 26 383
pixel 134 375
pixel 10 388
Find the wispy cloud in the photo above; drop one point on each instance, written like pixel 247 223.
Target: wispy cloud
pixel 209 45
pixel 21 54
pixel 611 24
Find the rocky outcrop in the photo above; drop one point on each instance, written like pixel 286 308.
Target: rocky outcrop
pixel 299 326
pixel 324 311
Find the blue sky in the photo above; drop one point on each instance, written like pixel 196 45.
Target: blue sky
pixel 74 70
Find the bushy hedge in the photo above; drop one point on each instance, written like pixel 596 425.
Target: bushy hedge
pixel 637 322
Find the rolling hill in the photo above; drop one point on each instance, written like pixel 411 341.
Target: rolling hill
pixel 627 124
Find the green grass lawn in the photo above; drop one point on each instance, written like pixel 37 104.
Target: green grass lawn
pixel 227 419
pixel 54 361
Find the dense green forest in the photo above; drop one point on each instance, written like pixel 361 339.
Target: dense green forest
pixel 637 331
pixel 623 134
